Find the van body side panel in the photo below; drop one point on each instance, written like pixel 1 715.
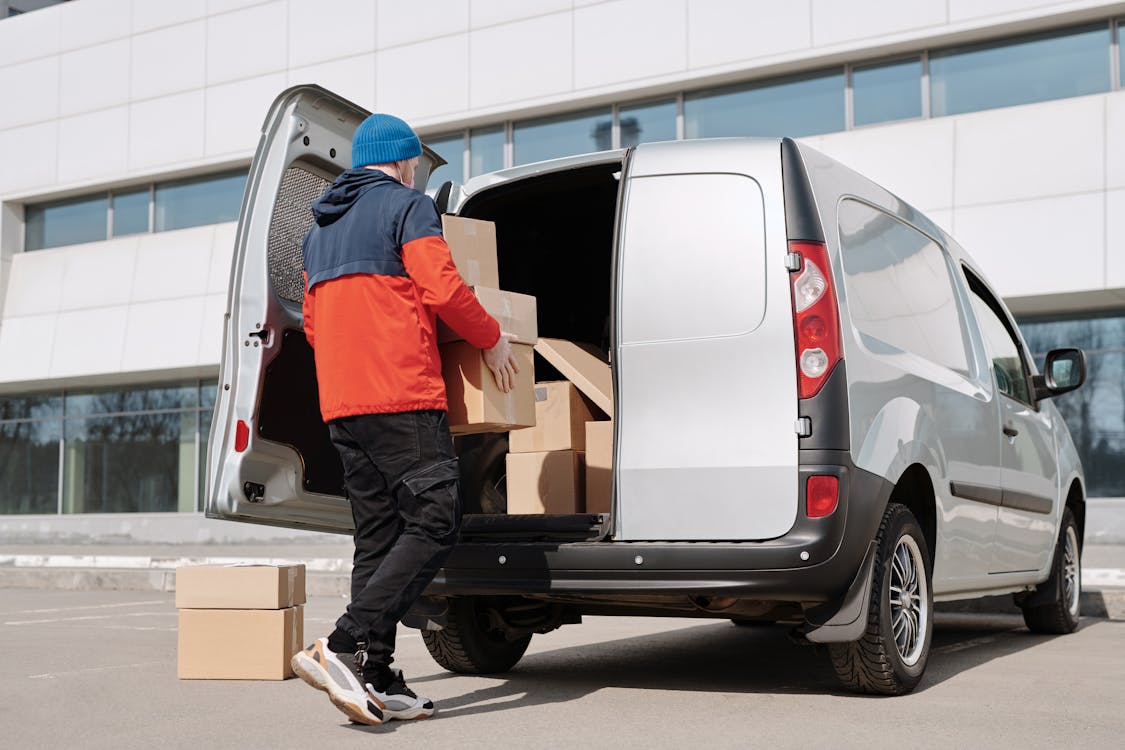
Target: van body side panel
pixel 705 365
pixel 905 407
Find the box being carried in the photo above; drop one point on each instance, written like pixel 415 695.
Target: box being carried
pixel 476 404
pixel 514 312
pixel 472 244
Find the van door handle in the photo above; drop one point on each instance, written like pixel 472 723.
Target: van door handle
pixel 1010 431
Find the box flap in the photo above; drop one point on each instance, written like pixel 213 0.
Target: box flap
pixel 588 373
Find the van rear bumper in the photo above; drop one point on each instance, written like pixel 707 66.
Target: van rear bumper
pixel 762 570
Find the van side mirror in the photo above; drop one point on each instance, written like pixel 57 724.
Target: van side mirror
pixel 1064 371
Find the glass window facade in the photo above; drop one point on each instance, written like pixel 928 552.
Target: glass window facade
pixel 645 123
pixel 1095 413
pixel 66 222
pixel 138 449
pixel 452 149
pixel 198 201
pixel 130 212
pixel 551 137
pixel 891 91
pixel 793 106
pixel 486 150
pixel 1031 68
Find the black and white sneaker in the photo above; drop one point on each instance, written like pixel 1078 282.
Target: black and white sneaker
pixel 399 701
pixel 338 674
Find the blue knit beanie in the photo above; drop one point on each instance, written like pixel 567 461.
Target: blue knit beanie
pixel 382 139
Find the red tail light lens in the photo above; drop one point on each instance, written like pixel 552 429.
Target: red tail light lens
pixel 241 436
pixel 816 319
pixel 822 495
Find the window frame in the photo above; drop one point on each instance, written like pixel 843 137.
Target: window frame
pixel 976 286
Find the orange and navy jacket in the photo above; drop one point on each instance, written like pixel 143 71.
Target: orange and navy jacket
pixel 377 274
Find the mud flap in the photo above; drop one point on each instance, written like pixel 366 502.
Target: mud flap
pixel 844 620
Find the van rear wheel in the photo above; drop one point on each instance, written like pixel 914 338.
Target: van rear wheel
pixel 470 644
pixel 891 656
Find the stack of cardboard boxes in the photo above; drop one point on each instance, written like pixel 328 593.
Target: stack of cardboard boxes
pixel 239 622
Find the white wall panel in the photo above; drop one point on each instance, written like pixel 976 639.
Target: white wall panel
pixel 93 21
pixel 410 90
pixel 722 32
pixel 247 43
pixel 352 78
pixel 25 347
pixel 943 217
pixel 31 92
pixel 162 335
pixel 491 12
pixel 222 253
pixel 402 23
pixel 1030 151
pixel 224 6
pixel 95 144
pixel 235 112
pixel 169 60
pixel 148 15
pixel 98 274
pixel 961 10
pixel 211 330
pixel 521 60
pixel 30 35
pixel 606 49
pixel 1115 139
pixel 166 130
pixel 172 264
pixel 88 341
pixel 1115 239
pixel 834 21
pixel 324 31
pixel 36 283
pixel 94 77
pixel 1040 246
pixel 913 160
pixel 29 156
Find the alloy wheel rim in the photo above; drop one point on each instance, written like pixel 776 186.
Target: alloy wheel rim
pixel 909 600
pixel 1072 571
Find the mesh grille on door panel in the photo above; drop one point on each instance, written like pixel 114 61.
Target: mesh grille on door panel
pixel 291 219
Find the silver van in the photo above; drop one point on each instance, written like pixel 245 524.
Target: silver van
pixel 823 413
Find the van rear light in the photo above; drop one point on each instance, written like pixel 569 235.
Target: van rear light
pixel 816 319
pixel 241 436
pixel 822 495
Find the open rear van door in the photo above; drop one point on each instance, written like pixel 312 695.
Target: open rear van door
pixel 269 458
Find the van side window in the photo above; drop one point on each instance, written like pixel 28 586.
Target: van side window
pixel 899 287
pixel 1007 363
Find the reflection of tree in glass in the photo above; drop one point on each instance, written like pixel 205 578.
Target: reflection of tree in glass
pixel 129 463
pixel 29 467
pixel 137 399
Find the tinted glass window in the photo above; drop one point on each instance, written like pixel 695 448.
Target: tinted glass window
pixel 1095 413
pixel 792 106
pixel 552 137
pixel 1007 365
pixel 66 222
pixel 29 466
pixel 198 201
pixel 486 150
pixel 452 149
pixel 645 123
pixel 40 406
pixel 900 287
pixel 892 91
pixel 131 399
pixel 1031 68
pixel 130 212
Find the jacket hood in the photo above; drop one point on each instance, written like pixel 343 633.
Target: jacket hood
pixel 345 191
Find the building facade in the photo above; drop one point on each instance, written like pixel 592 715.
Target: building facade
pixel 128 127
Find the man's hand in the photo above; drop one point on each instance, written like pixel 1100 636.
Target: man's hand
pixel 502 362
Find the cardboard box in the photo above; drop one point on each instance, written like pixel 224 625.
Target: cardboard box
pixel 239 644
pixel 473 246
pixel 599 467
pixel 561 414
pixel 240 586
pixel 476 404
pixel 547 482
pixel 588 373
pixel 514 312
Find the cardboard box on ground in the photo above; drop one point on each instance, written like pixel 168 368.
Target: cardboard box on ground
pixel 239 622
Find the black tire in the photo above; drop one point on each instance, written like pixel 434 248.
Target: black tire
pixel 876 663
pixel 1054 606
pixel 468 645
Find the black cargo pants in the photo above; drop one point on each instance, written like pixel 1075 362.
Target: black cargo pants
pixel 401 475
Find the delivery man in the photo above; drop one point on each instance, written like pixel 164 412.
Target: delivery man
pixel 377 273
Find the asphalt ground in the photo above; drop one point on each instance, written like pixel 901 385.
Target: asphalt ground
pixel 97 669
